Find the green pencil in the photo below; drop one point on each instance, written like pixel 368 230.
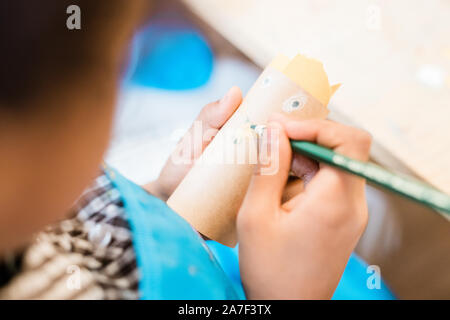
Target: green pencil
pixel 405 186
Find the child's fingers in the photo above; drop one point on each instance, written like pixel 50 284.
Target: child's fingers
pixel 216 114
pixel 266 187
pixel 303 167
pixel 211 118
pixel 349 141
pixel 330 185
pixel 303 170
pixel 294 186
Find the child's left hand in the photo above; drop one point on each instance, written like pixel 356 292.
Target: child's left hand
pixel 213 116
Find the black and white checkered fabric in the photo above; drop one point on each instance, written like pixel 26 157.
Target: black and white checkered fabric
pixel 88 256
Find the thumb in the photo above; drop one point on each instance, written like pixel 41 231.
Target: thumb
pixel 269 179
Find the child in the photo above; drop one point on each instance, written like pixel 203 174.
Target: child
pixel 57 100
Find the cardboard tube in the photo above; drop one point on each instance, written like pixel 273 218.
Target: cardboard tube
pixel 210 195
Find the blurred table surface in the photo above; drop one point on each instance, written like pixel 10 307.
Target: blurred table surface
pixel 392 58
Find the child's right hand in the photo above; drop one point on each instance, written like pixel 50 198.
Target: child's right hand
pixel 299 249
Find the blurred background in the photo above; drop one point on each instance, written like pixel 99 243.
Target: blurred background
pixel 393 58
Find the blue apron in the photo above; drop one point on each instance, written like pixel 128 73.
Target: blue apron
pixel 173 260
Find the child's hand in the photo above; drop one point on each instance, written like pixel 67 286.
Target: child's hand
pixel 299 249
pixel 213 116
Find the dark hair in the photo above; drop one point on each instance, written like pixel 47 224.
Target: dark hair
pixel 38 50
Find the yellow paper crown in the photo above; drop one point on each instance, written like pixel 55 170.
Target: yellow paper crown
pixel 308 74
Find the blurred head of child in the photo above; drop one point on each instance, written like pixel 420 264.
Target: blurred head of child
pixel 57 96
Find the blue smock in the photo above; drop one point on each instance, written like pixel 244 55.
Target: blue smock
pixel 173 260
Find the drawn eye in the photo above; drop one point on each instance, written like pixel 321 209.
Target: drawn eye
pixel 294 103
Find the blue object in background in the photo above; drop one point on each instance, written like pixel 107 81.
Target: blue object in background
pixel 353 284
pixel 171 57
